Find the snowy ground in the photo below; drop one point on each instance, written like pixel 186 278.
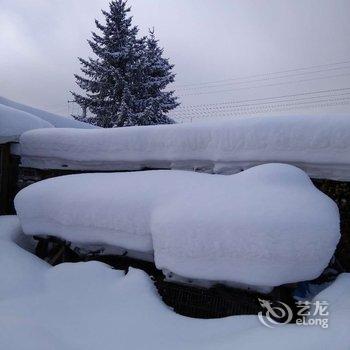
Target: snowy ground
pixel 90 306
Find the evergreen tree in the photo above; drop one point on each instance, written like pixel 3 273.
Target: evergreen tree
pixel 158 74
pixel 124 84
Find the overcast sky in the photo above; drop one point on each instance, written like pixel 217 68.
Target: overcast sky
pixel 206 40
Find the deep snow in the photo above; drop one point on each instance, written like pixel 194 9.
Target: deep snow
pixel 57 121
pixel 320 145
pixel 14 122
pixel 265 226
pixel 87 306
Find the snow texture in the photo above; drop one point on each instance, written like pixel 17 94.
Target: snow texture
pixel 263 227
pixel 87 306
pixel 56 120
pixel 319 145
pixel 14 122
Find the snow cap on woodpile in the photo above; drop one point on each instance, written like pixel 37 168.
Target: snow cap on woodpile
pixel 266 226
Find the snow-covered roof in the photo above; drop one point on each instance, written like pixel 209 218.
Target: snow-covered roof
pixel 320 145
pixel 56 120
pixel 14 122
pixel 263 227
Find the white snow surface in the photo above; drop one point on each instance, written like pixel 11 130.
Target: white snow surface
pixel 320 145
pixel 265 226
pixel 87 306
pixel 56 120
pixel 14 122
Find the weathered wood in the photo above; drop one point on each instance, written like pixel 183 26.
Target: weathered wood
pixel 188 300
pixel 4 178
pixel 8 179
pixel 339 191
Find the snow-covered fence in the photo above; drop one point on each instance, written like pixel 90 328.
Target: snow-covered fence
pixel 319 145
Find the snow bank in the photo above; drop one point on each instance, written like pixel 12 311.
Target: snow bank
pixel 56 120
pixel 87 306
pixel 292 337
pixel 19 270
pixel 14 122
pixel 319 145
pixel 265 226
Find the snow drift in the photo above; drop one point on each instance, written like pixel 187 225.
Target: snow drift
pixel 57 121
pixel 265 226
pixel 319 145
pixel 14 122
pixel 87 306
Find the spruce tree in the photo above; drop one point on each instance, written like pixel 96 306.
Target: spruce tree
pixel 124 85
pixel 158 74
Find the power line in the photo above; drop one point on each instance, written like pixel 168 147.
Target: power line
pixel 265 98
pixel 265 85
pixel 254 109
pixel 259 80
pixel 266 74
pixel 234 106
pixel 270 110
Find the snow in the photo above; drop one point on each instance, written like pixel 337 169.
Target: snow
pixel 320 145
pixel 14 122
pixel 264 227
pixel 54 119
pixel 18 268
pixel 87 306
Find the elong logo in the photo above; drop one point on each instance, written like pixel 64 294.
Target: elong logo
pixel 308 314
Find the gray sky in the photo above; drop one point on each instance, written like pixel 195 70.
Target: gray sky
pixel 207 40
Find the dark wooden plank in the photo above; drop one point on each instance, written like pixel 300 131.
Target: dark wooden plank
pixel 4 178
pixel 8 179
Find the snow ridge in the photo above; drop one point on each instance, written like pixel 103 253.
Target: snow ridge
pixel 320 145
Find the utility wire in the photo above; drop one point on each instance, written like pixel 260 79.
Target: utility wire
pixel 200 109
pixel 263 99
pixel 259 80
pixel 265 74
pixel 273 106
pixel 265 85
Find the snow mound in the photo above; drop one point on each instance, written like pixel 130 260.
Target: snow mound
pixel 265 226
pixel 87 306
pixel 320 145
pixel 56 120
pixel 19 270
pixel 14 122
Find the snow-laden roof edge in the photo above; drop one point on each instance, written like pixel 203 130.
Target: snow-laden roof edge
pixel 56 120
pixel 14 122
